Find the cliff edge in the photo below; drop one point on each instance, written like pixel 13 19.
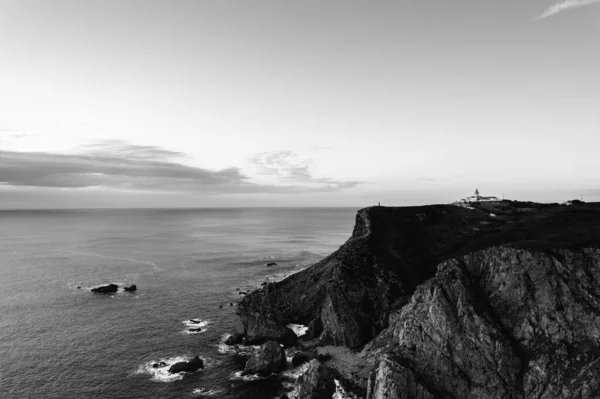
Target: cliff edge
pixel 498 301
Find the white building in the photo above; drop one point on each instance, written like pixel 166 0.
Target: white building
pixel 478 198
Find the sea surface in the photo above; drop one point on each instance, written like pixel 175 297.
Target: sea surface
pixel 60 340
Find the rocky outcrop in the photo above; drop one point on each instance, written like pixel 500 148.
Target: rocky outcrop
pixel 316 382
pixel 131 288
pixel 499 323
pixel 189 367
pixel 390 380
pixel 268 359
pixel 450 302
pixel 106 289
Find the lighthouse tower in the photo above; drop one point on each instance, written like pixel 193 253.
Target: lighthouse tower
pixel 476 193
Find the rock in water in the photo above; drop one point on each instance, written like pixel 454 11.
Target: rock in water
pixel 269 359
pixel 316 382
pixel 106 289
pixel 234 339
pixel 271 264
pixel 132 288
pixel 188 367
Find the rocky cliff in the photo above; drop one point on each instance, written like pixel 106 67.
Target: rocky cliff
pixel 500 301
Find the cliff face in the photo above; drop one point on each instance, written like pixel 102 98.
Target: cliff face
pixel 497 302
pixel 346 297
pixel 499 323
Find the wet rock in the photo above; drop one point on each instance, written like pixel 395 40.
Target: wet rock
pixel 268 359
pixel 234 339
pixel 195 329
pixel 271 264
pixel 131 288
pixel 189 367
pixel 316 382
pixel 106 289
pixel 159 364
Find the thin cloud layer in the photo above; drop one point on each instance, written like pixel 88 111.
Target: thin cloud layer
pixel 565 5
pixel 286 168
pixel 119 165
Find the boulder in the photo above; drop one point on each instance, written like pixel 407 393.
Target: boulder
pixel 269 359
pixel 106 289
pixel 187 367
pixel 316 382
pixel 234 339
pixel 132 288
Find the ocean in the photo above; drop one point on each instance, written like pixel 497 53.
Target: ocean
pixel 60 340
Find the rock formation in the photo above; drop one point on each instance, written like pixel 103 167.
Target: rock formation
pixel 105 289
pixel 269 359
pixel 316 382
pixel 132 288
pixel 189 367
pixel 451 302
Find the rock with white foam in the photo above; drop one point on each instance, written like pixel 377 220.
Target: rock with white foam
pixel 268 359
pixel 188 367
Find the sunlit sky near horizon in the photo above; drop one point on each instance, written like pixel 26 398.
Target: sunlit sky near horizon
pixel 297 103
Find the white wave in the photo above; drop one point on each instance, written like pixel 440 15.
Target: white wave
pixel 206 391
pixel 223 348
pixel 200 323
pixel 294 374
pixel 250 377
pixel 161 374
pixel 298 329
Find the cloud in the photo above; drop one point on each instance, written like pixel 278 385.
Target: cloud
pixel 565 5
pixel 288 168
pixel 122 166
pixel 114 165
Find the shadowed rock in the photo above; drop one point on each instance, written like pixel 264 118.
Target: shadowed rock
pixel 316 382
pixel 189 367
pixel 268 359
pixel 452 302
pixel 106 289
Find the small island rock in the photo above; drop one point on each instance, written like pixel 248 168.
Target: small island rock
pixel 188 367
pixel 132 288
pixel 106 289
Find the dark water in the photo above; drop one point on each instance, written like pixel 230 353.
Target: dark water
pixel 58 341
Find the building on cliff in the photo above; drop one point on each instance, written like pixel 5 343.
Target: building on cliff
pixel 476 198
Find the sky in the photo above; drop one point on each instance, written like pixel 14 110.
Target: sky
pixel 119 103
